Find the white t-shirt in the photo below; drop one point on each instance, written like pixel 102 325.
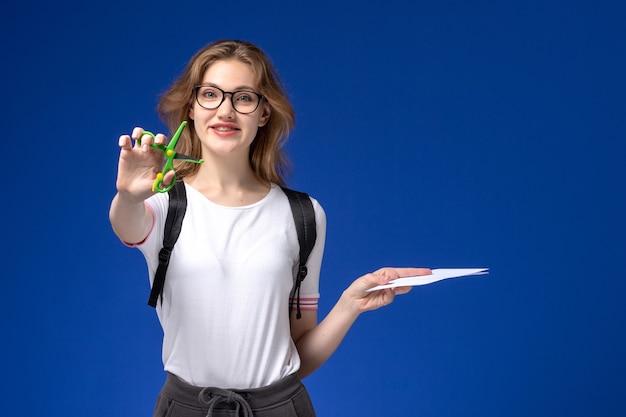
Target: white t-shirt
pixel 225 309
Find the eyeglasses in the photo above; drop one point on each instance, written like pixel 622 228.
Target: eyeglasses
pixel 243 101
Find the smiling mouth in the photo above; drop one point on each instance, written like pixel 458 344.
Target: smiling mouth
pixel 224 128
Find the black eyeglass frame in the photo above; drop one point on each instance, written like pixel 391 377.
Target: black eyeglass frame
pixel 232 95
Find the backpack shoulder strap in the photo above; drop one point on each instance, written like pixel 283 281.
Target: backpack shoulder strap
pixel 304 218
pixel 173 225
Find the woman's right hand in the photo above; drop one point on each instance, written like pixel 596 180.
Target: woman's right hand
pixel 139 165
pixel 137 170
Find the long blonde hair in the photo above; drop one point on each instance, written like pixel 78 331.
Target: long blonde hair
pixel 267 157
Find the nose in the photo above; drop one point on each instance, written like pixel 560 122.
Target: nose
pixel 226 108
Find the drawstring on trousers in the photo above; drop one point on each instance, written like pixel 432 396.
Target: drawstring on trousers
pixel 214 396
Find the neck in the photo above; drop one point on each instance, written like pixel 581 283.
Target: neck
pixel 228 181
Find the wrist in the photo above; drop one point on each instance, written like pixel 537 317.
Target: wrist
pixel 129 199
pixel 349 305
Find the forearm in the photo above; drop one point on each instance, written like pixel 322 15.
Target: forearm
pixel 319 343
pixel 130 220
pixel 316 344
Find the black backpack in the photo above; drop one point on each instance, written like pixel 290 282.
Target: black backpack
pixel 303 216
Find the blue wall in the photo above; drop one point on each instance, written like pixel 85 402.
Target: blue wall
pixel 437 134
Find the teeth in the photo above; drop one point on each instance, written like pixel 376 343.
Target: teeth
pixel 223 128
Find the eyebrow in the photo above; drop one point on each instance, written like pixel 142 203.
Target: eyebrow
pixel 242 87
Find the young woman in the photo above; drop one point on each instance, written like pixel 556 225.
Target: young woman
pixel 229 342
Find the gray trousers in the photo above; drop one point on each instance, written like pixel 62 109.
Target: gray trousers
pixel 285 398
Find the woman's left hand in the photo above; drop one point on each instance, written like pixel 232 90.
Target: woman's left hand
pixel 317 343
pixel 358 298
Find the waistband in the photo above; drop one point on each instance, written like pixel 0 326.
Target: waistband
pixel 256 398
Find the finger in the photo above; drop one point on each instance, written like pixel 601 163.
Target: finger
pixel 389 296
pixel 393 273
pixel 125 143
pixel 374 279
pixel 168 178
pixel 160 139
pixel 146 141
pixel 401 290
pixel 409 272
pixel 137 133
pixel 142 138
pixel 364 283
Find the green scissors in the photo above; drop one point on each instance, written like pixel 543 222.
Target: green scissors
pixel 170 155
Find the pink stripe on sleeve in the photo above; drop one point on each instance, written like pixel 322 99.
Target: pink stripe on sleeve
pixel 310 304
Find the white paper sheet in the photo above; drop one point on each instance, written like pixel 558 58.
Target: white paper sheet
pixel 437 275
